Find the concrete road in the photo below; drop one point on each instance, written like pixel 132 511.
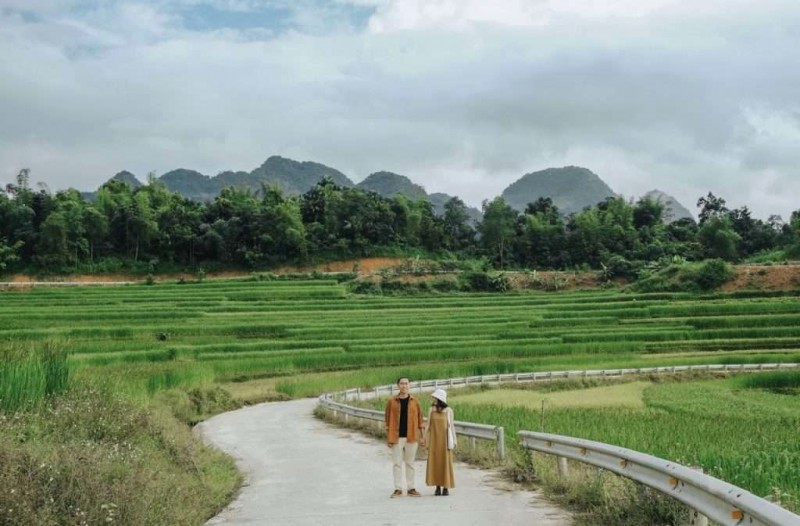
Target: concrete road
pixel 301 471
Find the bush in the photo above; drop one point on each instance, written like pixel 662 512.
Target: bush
pixel 364 287
pixel 619 267
pixel 484 282
pixel 685 277
pixel 444 285
pixel 713 274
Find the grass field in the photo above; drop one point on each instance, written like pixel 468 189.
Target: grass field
pixel 266 340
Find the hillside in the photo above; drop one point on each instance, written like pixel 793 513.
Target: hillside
pixel 390 184
pixel 673 210
pixel 571 188
pixel 295 177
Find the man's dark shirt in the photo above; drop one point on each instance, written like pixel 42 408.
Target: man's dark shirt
pixel 403 429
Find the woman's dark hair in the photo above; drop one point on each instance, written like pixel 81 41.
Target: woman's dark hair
pixel 439 405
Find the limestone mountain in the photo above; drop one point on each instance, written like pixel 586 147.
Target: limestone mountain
pixel 293 177
pixel 438 201
pixel 673 210
pixel 390 184
pixel 191 183
pixel 128 178
pixel 296 177
pixel 571 188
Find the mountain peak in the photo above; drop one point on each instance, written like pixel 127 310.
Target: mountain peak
pixel 128 178
pixel 296 177
pixel 389 184
pixel 572 188
pixel 673 210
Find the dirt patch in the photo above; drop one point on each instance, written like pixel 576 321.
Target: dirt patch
pixel 748 277
pixel 763 277
pixel 362 266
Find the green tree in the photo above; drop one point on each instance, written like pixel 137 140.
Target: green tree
pixel 542 236
pixel 457 231
pixel 710 206
pixel 8 253
pixel 497 230
pixel 718 238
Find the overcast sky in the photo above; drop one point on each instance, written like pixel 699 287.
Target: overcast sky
pixel 462 96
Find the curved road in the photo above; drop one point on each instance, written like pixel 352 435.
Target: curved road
pixel 300 471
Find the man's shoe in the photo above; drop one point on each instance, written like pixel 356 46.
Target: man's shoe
pixel 413 493
pixel 445 492
pixel 397 493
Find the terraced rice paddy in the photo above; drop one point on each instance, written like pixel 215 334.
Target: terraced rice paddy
pixel 311 336
pixel 149 337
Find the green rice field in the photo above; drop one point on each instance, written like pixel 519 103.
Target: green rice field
pixel 312 336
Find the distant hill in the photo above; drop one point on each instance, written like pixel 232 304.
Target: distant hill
pixel 125 176
pixel 438 201
pixel 293 177
pixel 571 188
pixel 128 178
pixel 296 177
pixel 390 184
pixel 191 184
pixel 673 209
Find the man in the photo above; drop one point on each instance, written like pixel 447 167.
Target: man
pixel 404 425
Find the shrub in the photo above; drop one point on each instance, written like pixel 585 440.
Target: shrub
pixel 619 267
pixel 444 285
pixel 484 282
pixel 712 274
pixel 364 287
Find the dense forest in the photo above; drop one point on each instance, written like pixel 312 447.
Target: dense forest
pixel 150 228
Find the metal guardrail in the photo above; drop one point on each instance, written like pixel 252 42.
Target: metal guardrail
pixel 724 503
pixel 467 429
pixel 430 385
pixel 718 500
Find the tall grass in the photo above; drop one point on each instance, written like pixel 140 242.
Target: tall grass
pixel 30 374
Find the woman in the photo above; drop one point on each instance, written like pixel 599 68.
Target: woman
pixel 440 459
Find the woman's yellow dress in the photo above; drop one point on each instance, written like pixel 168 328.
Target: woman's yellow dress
pixel 440 459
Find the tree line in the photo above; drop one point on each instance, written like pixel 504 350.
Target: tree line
pixel 152 226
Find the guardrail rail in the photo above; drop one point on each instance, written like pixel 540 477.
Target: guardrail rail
pixel 724 503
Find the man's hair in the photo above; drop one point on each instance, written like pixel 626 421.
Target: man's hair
pixel 401 378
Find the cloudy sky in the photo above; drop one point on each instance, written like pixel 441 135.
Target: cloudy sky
pixel 462 96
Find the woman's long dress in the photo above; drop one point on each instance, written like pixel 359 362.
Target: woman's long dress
pixel 440 459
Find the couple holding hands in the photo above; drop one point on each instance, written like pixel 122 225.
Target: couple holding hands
pixel 406 429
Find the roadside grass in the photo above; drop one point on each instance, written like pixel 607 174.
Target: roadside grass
pixel 29 374
pixel 92 457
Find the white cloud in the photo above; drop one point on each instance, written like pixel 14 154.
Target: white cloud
pixel 462 96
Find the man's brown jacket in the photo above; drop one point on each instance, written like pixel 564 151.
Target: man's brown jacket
pixel 392 418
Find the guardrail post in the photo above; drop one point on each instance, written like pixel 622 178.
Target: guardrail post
pixel 563 469
pixel 695 517
pixel 501 443
pixel 358 393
